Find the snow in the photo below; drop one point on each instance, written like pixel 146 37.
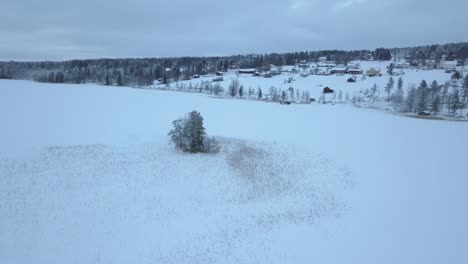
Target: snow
pixel 87 176
pixel 315 83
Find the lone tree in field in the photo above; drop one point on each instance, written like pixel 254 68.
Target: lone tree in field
pixel 188 134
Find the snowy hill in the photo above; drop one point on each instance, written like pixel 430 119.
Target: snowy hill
pixel 87 176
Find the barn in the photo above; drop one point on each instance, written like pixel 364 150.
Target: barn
pixel 354 71
pixel 338 70
pixel 247 71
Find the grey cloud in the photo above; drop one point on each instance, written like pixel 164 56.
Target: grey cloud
pixel 57 29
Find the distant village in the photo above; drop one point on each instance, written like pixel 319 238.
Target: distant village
pixel 326 67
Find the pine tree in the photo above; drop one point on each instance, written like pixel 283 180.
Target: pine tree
pixel 444 98
pixel 259 93
pixel 400 84
pixel 465 89
pixel 373 91
pixel 347 97
pixel 241 91
pixel 195 132
pixel 436 104
pixel 188 134
pixel 411 99
pixel 234 87
pixel 217 89
pixel 283 96
pixel 389 87
pixel 455 103
pixel 434 89
pixel 422 96
pixel 340 96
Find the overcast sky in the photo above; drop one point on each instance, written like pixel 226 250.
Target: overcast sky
pixel 62 29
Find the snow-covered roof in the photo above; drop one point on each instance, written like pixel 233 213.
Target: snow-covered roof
pixel 451 63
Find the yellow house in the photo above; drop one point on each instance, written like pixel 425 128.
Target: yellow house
pixel 373 72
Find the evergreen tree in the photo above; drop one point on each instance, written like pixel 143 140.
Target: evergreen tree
pixel 411 99
pixel 389 87
pixel 444 99
pixel 340 96
pixel 188 134
pixel 422 96
pixel 390 68
pixel 347 97
pixel 119 80
pixel 455 102
pixel 241 91
pixel 465 89
pixel 400 84
pixel 283 96
pixel 434 89
pixel 217 89
pixel 234 87
pixel 260 96
pixel 373 91
pixel 436 104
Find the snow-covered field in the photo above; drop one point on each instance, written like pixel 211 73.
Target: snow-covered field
pixel 87 176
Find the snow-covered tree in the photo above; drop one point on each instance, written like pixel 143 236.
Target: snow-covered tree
pixel 389 87
pixel 177 133
pixel 411 98
pixel 188 134
pixel 400 84
pixel 434 89
pixel 422 96
pixel 373 92
pixel 340 96
pixel 234 87
pixel 241 91
pixel 456 103
pixel 465 89
pixel 444 99
pixel 259 95
pixel 347 97
pixel 274 94
pixel 217 89
pixel 194 131
pixel 435 105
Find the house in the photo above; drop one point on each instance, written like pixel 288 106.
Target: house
pixel 397 72
pixel 322 71
pixel 373 72
pixel 338 70
pixel 328 90
pixel 247 71
pixel 449 65
pixel 354 71
pixel 402 65
pixel 351 80
pixel 322 59
pixel 431 63
pixel 219 73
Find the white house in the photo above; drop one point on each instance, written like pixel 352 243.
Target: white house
pixel 449 65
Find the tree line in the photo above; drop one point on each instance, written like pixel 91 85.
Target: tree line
pixel 144 71
pixel 448 98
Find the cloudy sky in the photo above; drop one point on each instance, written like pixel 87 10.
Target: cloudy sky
pixel 63 29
